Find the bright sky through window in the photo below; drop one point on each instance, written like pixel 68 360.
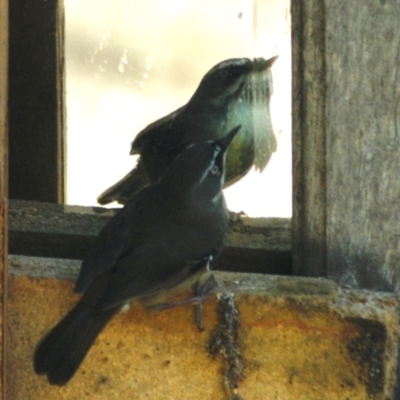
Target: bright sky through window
pixel 130 63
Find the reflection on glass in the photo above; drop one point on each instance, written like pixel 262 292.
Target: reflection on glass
pixel 130 63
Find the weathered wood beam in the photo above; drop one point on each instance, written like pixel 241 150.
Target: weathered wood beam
pixel 346 126
pixel 61 231
pixel 36 100
pixel 309 141
pixel 346 142
pixel 3 185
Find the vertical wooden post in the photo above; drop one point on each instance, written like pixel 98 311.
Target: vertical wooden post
pixel 36 100
pixel 363 143
pixel 346 147
pixel 309 140
pixel 3 181
pixel 346 111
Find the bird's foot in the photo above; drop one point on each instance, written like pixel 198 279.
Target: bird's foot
pixel 201 293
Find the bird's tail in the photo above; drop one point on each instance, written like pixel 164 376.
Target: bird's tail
pixel 63 349
pixel 125 188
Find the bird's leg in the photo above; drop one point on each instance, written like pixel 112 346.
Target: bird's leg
pixel 201 292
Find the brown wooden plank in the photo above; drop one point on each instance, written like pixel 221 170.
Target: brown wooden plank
pixel 347 142
pixel 309 142
pixel 3 184
pixel 346 111
pixel 363 143
pixel 36 101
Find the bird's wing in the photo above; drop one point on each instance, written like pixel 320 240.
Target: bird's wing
pixel 164 261
pixel 146 271
pixel 125 188
pixel 157 130
pixel 125 228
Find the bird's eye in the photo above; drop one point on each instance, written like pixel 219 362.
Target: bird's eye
pixel 215 170
pixel 223 74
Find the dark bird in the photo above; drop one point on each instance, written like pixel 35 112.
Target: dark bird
pixel 234 92
pixel 166 235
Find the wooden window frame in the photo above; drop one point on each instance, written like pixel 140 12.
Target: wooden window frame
pixel 3 184
pixel 312 242
pixel 36 153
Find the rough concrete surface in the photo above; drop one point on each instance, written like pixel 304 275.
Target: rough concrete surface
pixel 296 338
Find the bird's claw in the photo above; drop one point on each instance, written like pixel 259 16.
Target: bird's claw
pixel 201 292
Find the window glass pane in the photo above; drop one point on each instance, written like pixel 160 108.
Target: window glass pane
pixel 130 63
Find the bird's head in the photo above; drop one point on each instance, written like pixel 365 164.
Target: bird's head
pixel 240 79
pixel 198 172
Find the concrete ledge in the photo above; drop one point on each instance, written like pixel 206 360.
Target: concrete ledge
pixel 295 338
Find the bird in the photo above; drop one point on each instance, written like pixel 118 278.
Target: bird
pixel 234 92
pixel 168 234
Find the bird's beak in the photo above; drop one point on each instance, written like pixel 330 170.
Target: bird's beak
pixel 271 60
pixel 225 142
pixel 260 64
